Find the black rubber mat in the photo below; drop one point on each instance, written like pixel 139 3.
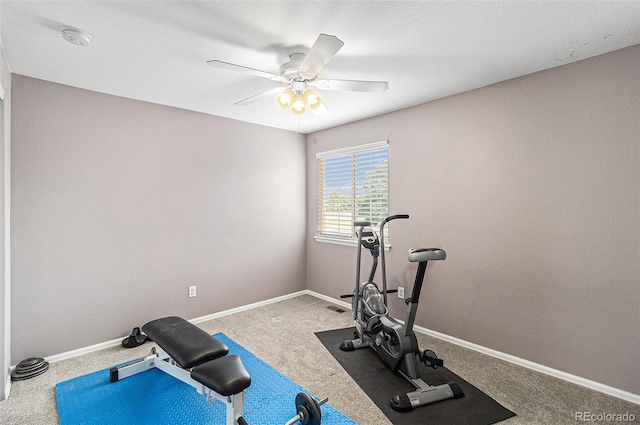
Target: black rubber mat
pixel 381 383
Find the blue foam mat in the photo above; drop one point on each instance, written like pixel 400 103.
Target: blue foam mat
pixel 154 397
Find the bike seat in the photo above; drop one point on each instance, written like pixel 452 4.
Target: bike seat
pixel 420 255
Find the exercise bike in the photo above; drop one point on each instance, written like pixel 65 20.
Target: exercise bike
pixel 395 343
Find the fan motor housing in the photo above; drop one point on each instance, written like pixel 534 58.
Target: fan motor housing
pixel 290 69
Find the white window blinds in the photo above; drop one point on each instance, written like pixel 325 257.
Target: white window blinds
pixel 353 185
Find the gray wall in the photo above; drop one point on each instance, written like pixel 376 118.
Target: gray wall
pixel 118 206
pixel 532 187
pixel 5 281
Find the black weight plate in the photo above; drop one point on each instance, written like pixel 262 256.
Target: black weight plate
pixel 311 405
pixel 23 369
pixel 31 369
pixel 27 369
pixel 31 361
pixel 18 376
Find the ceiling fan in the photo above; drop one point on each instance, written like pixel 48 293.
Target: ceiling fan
pixel 299 78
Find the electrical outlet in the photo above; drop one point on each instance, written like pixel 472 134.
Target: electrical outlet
pixel 192 291
pixel 400 292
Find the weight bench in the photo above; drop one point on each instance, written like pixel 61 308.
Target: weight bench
pixel 196 358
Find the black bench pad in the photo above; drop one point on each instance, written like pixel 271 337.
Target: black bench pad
pixel 186 343
pixel 226 375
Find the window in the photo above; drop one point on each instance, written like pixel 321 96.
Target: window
pixel 353 185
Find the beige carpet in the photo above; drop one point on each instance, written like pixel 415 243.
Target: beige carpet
pixel 282 334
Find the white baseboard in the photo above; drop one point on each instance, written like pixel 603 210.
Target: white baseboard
pixel 246 307
pixel 7 388
pixel 327 298
pixel 574 379
pixel 593 385
pixel 596 386
pixel 114 342
pixel 81 351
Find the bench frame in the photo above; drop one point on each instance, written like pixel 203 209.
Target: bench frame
pixel 159 359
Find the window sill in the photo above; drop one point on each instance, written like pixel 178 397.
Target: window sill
pixel 344 242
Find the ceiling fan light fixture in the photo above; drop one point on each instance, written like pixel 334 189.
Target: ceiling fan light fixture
pixel 312 99
pixel 300 74
pixel 298 106
pixel 298 102
pixel 285 99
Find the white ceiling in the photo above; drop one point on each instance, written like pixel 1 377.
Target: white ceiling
pixel 157 51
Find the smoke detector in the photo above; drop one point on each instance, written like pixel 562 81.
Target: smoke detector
pixel 76 36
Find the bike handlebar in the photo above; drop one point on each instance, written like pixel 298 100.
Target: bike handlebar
pixel 393 217
pixel 382 223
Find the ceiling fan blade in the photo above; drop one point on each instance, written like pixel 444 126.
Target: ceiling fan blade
pixel 247 70
pixel 353 85
pixel 325 48
pixel 269 93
